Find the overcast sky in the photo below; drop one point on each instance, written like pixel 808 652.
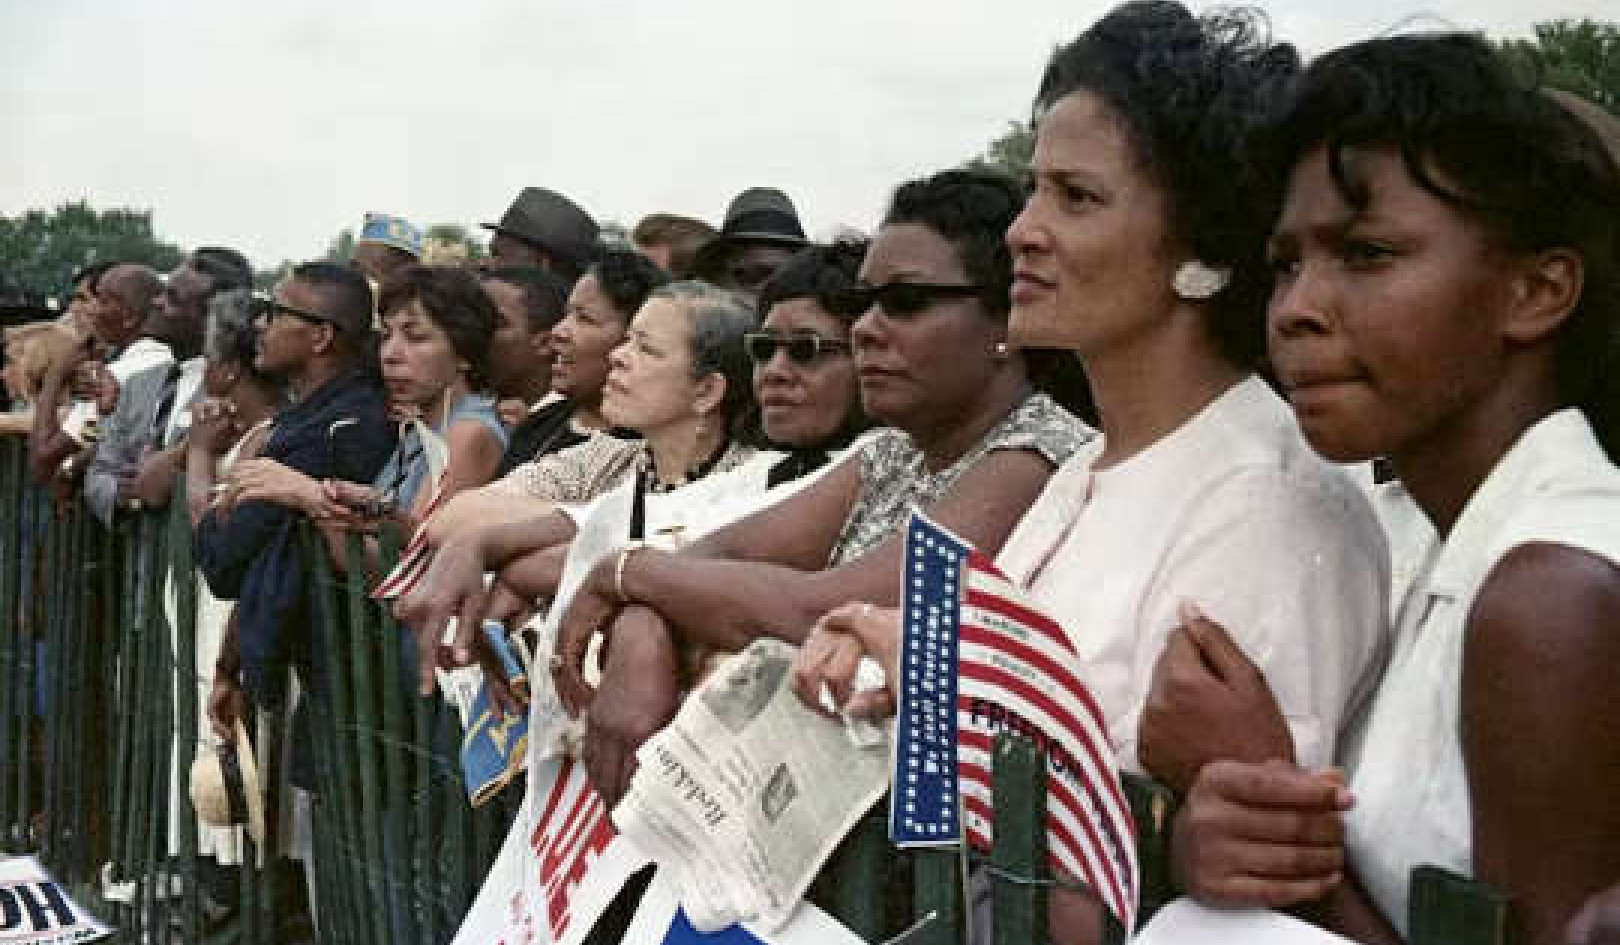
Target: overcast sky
pixel 272 124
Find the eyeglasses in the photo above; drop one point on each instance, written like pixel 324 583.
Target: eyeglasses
pixel 268 308
pixel 897 299
pixel 801 349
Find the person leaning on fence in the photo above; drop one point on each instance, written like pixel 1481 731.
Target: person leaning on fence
pixel 140 453
pixel 971 442
pixel 314 337
pixel 803 381
pixel 1448 259
pixel 59 446
pixel 30 350
pixel 1142 251
pixel 436 328
pixel 597 317
pixel 232 420
pixel 680 381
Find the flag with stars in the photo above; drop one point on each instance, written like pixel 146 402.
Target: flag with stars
pixel 977 658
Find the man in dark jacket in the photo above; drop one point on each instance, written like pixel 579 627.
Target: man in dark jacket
pixel 315 334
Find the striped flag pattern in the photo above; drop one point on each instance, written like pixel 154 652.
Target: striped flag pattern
pixel 1013 670
pixel 414 560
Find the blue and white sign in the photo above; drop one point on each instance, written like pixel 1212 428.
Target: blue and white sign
pixel 924 803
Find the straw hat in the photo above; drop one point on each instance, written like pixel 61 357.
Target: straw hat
pixel 225 787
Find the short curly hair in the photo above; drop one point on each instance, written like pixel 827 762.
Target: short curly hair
pixel 456 303
pixel 1522 165
pixel 820 271
pixel 627 278
pixel 1195 96
pixel 972 208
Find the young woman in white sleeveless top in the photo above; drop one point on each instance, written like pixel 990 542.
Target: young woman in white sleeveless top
pixel 1449 299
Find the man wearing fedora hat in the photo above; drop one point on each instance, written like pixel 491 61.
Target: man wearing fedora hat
pixel 545 229
pixel 761 232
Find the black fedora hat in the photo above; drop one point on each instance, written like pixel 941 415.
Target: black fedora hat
pixel 757 215
pixel 552 222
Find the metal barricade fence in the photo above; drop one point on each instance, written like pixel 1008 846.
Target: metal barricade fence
pixel 98 716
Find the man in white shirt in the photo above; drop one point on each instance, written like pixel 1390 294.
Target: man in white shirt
pixel 140 452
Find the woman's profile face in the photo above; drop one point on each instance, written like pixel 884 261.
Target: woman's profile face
pixel 1093 258
pixel 806 387
pixel 1385 326
pixel 650 383
pixel 589 330
pixel 925 368
pixel 418 361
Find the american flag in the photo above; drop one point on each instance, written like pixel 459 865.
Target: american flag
pixel 972 639
pixel 414 560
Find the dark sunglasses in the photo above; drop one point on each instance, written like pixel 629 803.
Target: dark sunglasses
pixel 801 349
pixel 897 299
pixel 268 308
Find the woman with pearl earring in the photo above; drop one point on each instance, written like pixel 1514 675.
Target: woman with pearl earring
pixel 1141 250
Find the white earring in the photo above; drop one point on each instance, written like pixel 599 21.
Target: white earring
pixel 1195 281
pixel 1001 350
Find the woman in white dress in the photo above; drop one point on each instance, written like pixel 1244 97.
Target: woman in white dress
pixel 1448 256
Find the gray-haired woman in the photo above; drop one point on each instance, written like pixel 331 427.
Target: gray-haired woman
pixel 230 421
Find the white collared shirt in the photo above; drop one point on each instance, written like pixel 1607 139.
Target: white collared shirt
pixel 1405 759
pixel 137 356
pixel 1234 512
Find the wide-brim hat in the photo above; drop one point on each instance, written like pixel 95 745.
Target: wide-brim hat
pixel 552 222
pixel 225 788
pixel 757 215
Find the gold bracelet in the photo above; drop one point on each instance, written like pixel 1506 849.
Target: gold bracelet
pixel 618 569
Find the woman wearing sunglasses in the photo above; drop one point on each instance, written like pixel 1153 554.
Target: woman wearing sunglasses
pixel 1141 250
pixel 969 440
pixel 804 366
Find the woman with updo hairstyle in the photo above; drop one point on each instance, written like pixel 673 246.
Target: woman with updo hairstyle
pixel 1141 251
pixel 1448 300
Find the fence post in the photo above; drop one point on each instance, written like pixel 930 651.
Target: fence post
pixel 1153 808
pixel 937 890
pixel 1018 853
pixel 331 699
pixel 11 566
pixel 396 777
pixel 1447 909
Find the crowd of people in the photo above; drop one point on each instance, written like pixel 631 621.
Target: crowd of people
pixel 1291 390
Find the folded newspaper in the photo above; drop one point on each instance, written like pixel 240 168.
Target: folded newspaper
pixel 742 798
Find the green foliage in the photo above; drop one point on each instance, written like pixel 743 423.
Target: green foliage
pixel 41 249
pixel 454 234
pixel 1580 56
pixel 341 249
pixel 1013 153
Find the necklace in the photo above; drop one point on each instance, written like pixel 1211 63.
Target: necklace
pixel 658 486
